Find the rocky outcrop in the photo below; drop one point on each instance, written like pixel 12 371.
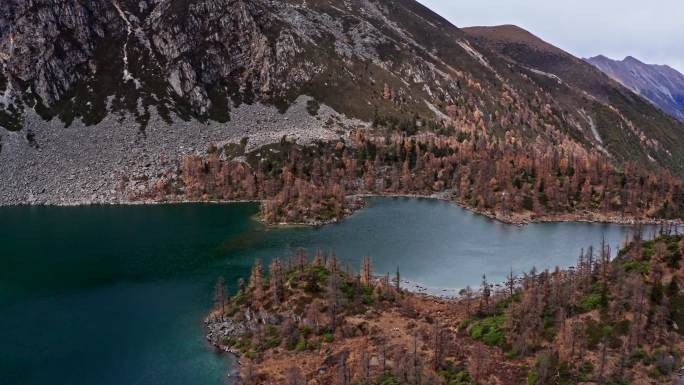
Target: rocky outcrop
pixel 218 330
pixel 49 46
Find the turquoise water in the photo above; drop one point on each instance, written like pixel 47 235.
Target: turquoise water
pixel 116 295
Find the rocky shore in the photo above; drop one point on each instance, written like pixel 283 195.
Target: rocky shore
pixel 522 219
pixel 220 329
pixel 313 322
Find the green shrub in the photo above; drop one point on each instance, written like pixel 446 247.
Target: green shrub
pixel 528 203
pixel 367 296
pixel 637 266
pixel 585 371
pixel 657 293
pixel 490 330
pixel 389 379
pixel 547 360
pixel 590 302
pixel 273 342
pixel 301 345
pixel 455 375
pixel 597 299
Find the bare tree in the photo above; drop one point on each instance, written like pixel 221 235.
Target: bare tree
pixel 255 281
pixel 417 364
pixel 477 365
pixel 277 281
pixel 344 375
pixel 333 294
pixel 293 376
pixel 364 365
pixel 510 283
pixel 440 339
pixel 602 360
pixel 366 272
pixel 467 295
pixel 220 296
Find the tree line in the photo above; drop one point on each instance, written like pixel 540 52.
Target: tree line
pixel 506 176
pixel 606 321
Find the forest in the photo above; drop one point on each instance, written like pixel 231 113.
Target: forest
pixel 505 177
pixel 613 319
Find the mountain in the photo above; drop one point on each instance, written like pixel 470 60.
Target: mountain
pixel 660 84
pixel 614 109
pixel 99 97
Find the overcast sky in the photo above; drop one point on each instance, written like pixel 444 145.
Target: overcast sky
pixel 650 30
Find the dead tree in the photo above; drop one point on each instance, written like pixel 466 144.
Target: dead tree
pixel 510 283
pixel 417 364
pixel 220 296
pixel 293 376
pixel 440 346
pixel 277 281
pixel 255 281
pixel 333 296
pixel 366 272
pixel 344 374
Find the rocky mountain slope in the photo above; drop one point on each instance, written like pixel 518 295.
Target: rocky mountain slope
pixel 660 84
pixel 618 118
pixel 98 97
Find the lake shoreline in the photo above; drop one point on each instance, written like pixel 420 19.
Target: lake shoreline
pixel 173 255
pixel 395 310
pixel 516 219
pixel 216 329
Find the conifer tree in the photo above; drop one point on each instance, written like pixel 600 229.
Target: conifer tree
pixel 484 295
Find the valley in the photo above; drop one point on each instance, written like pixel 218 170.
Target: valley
pixel 331 192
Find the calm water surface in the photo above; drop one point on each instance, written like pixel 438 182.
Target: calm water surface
pixel 116 295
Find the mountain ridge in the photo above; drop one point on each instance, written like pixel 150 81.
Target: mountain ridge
pixel 584 80
pixel 662 85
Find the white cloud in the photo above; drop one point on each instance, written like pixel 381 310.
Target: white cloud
pixel 652 31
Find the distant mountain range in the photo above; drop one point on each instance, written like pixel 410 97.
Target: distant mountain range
pixel 660 84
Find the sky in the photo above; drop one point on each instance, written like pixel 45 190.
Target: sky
pixel 650 30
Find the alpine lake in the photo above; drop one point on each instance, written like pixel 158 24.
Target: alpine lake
pixel 116 295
